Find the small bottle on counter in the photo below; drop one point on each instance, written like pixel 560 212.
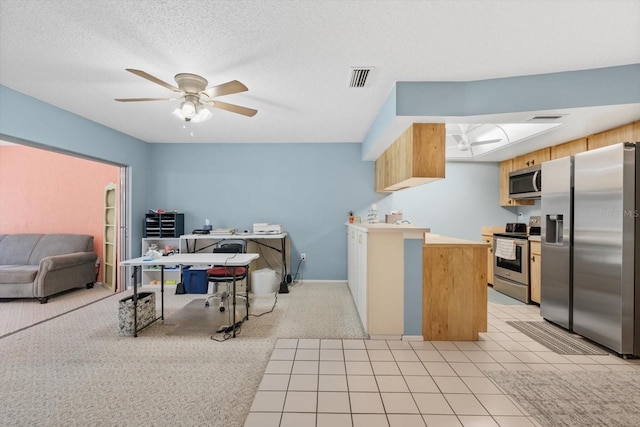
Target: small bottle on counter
pixel 372 214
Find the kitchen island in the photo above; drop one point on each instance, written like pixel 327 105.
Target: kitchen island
pixel 454 288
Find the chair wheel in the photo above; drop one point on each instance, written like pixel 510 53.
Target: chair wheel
pixel 221 309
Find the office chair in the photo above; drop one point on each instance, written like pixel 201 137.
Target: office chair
pixel 223 274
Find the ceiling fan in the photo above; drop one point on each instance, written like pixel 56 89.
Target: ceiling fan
pixel 196 97
pixel 463 141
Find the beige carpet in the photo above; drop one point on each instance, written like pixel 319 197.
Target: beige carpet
pixel 74 370
pixel 20 313
pixel 575 399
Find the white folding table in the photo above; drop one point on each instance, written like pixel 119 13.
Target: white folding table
pixel 231 260
pixel 197 243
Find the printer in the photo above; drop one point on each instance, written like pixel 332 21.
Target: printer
pixel 264 228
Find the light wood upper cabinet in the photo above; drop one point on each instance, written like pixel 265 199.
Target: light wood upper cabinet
pixel 506 167
pixel 627 133
pixel 532 159
pixel 535 260
pixel 416 157
pixel 570 148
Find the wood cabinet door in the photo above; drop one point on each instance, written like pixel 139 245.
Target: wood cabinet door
pixel 532 159
pixel 535 272
pixel 570 148
pixel 627 133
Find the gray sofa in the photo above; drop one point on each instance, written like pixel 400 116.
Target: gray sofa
pixel 41 265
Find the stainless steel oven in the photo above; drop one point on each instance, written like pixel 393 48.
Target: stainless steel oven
pixel 511 276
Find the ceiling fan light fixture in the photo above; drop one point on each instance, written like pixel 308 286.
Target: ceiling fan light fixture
pixel 196 97
pixel 188 109
pixel 199 114
pixel 462 145
pixel 202 115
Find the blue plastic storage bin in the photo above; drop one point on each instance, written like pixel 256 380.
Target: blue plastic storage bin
pixel 195 281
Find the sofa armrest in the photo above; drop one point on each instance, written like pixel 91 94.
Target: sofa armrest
pixel 62 272
pixel 58 262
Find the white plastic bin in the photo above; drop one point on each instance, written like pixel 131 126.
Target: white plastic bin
pixel 264 281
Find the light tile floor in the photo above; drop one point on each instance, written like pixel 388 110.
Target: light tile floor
pixel 356 382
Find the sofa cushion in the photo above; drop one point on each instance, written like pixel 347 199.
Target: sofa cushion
pixel 60 244
pixel 16 249
pixel 11 274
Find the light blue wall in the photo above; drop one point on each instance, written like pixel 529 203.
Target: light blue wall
pixel 413 287
pixel 32 122
pixel 571 89
pixel 308 188
pixel 456 206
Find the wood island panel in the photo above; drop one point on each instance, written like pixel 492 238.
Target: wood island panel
pixel 454 284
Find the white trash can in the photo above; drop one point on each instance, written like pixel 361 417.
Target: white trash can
pixel 264 281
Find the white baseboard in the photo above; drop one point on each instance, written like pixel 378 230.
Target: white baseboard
pixel 385 337
pixel 412 338
pixel 309 281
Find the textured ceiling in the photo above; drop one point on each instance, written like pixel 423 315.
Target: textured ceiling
pixel 295 56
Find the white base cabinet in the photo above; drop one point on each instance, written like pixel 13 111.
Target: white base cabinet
pixel 375 272
pixel 151 274
pixel 357 270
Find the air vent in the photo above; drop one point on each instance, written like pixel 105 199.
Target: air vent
pixel 546 118
pixel 359 76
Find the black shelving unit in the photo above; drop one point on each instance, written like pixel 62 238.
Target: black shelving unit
pixel 168 224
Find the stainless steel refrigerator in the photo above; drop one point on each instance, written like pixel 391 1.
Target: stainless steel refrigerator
pixel 598 296
pixel 606 290
pixel 556 242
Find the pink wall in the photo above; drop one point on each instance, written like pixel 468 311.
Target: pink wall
pixel 45 192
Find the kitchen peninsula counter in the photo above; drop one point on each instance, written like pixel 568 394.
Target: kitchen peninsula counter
pixel 379 256
pixel 454 288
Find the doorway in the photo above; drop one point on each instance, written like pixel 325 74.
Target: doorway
pixel 44 191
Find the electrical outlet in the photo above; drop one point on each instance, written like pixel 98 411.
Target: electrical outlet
pixel 303 257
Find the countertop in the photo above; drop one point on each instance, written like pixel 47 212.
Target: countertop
pixel 431 239
pixel 490 229
pixel 409 230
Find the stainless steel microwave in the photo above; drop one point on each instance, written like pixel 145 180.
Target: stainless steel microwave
pixel 526 183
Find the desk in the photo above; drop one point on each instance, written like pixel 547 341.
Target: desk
pixel 215 259
pixel 195 243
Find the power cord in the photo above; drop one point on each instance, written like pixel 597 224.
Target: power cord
pixel 275 301
pixel 228 332
pixel 295 276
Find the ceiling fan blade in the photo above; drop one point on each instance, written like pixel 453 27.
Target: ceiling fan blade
pixel 227 88
pixel 144 99
pixel 486 141
pixel 153 79
pixel 250 112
